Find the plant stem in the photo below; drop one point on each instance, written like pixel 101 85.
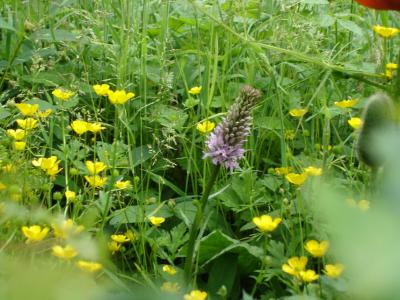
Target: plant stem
pixel 194 230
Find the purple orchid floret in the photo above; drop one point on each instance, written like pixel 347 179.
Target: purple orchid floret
pixel 225 143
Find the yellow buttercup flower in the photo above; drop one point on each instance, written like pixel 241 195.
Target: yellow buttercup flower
pixel 282 171
pixel 95 167
pixel 19 146
pixel 356 123
pixel 27 123
pixel 7 168
pixel 156 221
pixel 27 110
pixel 96 181
pixel 95 127
pixel 389 74
pixel 386 32
pixel 66 252
pixel 308 276
pixel 170 287
pixel 390 70
pixel 2 186
pixel 52 172
pixel 18 134
pixel 266 223
pixel 120 238
pixel 113 246
pixel 346 103
pixel 79 126
pixel 195 90
pixel 63 94
pixel 317 249
pixel 363 205
pixel 34 233
pixel 296 179
pixel 66 229
pixel 170 270
pixel 295 265
pixel 392 66
pixel 333 271
pixel 298 112
pixel 205 127
pixel 89 266
pixel 121 185
pixel 49 165
pixel 45 163
pixel 195 295
pixel 70 196
pixel 101 89
pixel 45 113
pixel 119 96
pixel 313 171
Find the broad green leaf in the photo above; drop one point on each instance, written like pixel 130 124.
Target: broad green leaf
pixel 4 113
pixel 266 122
pixel 170 117
pixel 162 181
pixel 217 244
pixel 186 211
pixel 271 182
pixel 351 26
pixel 223 273
pixel 6 25
pixel 326 20
pixel 140 155
pixel 43 105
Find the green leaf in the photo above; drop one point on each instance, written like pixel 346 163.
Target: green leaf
pixel 185 211
pixel 217 244
pixel 326 20
pixel 162 181
pixel 169 117
pixel 6 25
pixel 269 123
pixel 140 155
pixel 173 239
pixel 129 214
pixel 239 192
pixel 43 105
pixel 271 182
pixel 351 26
pixel 4 113
pixel 137 214
pixel 223 273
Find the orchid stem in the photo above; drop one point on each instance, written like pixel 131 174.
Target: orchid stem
pixel 194 230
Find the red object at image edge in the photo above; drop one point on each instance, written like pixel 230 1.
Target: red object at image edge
pixel 381 4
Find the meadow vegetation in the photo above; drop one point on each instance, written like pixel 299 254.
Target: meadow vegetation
pixel 187 149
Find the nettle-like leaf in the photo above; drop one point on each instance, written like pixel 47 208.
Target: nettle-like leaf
pixel 173 239
pixel 170 117
pixel 240 192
